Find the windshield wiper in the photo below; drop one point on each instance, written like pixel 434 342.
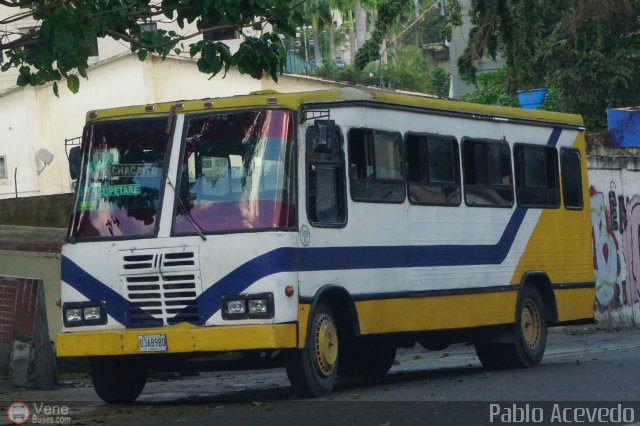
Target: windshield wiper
pixel 192 221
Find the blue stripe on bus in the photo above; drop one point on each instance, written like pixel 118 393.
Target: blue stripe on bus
pixel 290 259
pixel 94 289
pixel 555 135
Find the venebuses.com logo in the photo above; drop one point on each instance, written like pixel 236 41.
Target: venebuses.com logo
pixel 38 413
pixel 18 413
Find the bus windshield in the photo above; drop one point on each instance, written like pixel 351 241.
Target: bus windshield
pixel 120 184
pixel 236 172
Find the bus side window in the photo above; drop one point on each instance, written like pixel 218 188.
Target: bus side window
pixel 487 173
pixel 571 178
pixel 326 192
pixel 375 166
pixel 434 170
pixel 536 169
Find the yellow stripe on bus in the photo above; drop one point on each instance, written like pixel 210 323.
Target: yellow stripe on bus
pixel 436 312
pixel 180 339
pixel 575 303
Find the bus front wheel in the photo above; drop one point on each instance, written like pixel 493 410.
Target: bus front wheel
pixel 530 336
pixel 312 370
pixel 118 378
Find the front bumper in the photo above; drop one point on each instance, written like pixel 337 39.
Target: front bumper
pixel 181 338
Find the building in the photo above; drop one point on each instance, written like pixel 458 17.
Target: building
pixel 34 123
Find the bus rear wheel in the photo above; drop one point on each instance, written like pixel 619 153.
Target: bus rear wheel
pixel 118 379
pixel 312 370
pixel 530 336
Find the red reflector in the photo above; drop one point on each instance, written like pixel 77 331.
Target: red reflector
pixel 289 291
pixel 58 303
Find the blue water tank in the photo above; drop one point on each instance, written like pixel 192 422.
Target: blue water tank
pixel 531 99
pixel 624 126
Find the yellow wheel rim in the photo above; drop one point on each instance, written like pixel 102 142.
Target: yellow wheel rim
pixel 531 324
pixel 326 345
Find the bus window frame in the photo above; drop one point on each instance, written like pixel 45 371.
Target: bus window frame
pixel 468 139
pixel 170 134
pixel 457 171
pixel 581 189
pixel 402 181
pixel 290 161
pixel 316 159
pixel 556 170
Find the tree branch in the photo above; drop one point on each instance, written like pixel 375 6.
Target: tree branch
pixel 16 3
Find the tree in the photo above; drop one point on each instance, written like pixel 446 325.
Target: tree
pixel 58 45
pixel 586 49
pixel 440 81
pixel 388 11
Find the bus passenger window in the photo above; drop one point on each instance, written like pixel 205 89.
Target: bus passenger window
pixel 487 173
pixel 536 170
pixel 434 170
pixel 375 166
pixel 571 178
pixel 326 198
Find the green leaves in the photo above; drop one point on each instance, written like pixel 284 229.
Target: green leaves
pixel 259 56
pixel 585 49
pixel 388 10
pixel 65 35
pixel 73 83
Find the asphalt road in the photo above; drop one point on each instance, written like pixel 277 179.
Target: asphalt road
pixel 583 374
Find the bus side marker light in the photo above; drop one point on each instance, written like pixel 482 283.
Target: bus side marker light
pixel 289 291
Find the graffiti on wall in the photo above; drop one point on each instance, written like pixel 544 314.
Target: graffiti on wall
pixel 616 247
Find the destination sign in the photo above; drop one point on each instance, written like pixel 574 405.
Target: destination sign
pixel 116 190
pixel 134 170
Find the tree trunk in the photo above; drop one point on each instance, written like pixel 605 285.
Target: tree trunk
pixel 332 41
pixel 316 41
pixel 361 24
pixel 352 38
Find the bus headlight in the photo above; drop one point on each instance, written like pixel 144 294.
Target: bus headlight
pixel 92 313
pixel 247 306
pixel 257 306
pixel 235 307
pixel 75 314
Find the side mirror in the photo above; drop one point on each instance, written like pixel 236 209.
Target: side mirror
pixel 75 162
pixel 323 136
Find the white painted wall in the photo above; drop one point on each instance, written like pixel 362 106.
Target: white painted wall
pixel 34 118
pixel 615 213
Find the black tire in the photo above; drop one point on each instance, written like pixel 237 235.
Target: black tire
pixel 366 356
pixel 312 370
pixel 118 379
pixel 530 336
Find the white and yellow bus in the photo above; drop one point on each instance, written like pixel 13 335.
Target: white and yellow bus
pixel 330 227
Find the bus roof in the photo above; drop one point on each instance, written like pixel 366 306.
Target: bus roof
pixel 342 96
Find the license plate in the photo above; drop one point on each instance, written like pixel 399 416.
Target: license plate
pixel 152 343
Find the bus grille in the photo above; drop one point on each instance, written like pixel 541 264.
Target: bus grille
pixel 161 286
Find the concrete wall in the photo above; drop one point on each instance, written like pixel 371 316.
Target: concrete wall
pixel 50 211
pixel 34 253
pixel 615 211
